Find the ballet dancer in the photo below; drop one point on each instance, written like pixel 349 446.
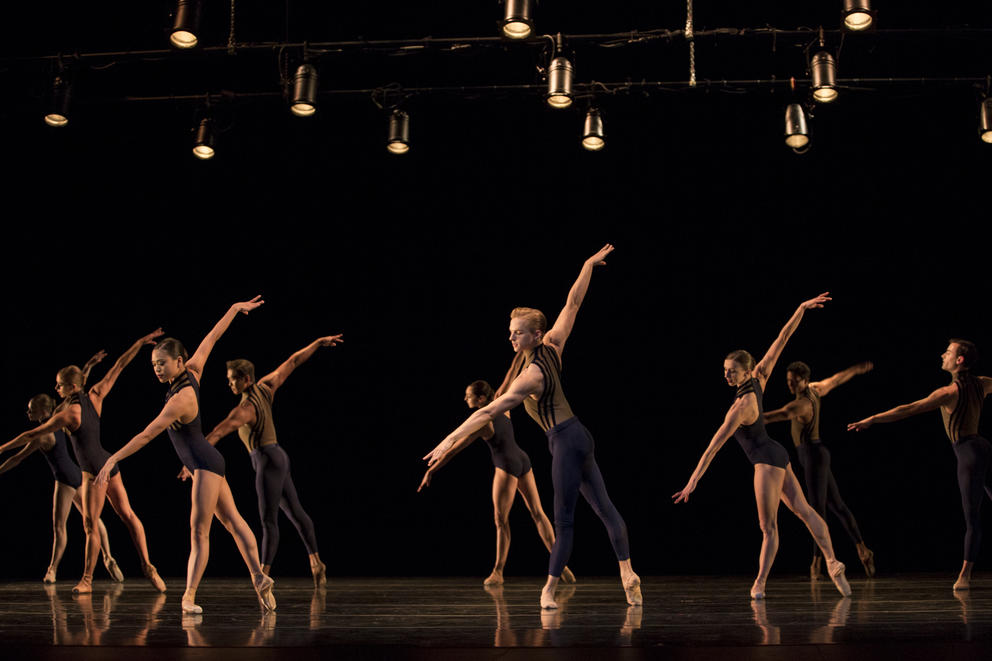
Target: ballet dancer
pixel 821 487
pixel 210 494
pixel 774 480
pixel 252 419
pixel 535 380
pixel 960 405
pixel 54 447
pixel 79 414
pixel 512 474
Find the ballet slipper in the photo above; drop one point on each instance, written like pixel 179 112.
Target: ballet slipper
pixel 868 561
pixel 840 581
pixel 152 575
pixel 567 576
pixel 85 585
pixel 495 578
pixel 112 569
pixel 632 589
pixel 319 575
pixel 758 590
pixel 49 576
pixel 963 583
pixel 190 608
pixel 548 598
pixel 263 587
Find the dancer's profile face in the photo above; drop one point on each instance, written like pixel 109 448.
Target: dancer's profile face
pixel 522 337
pixel 237 384
pixel 166 367
pixel 734 373
pixel 64 388
pixel 794 383
pixel 474 401
pixel 35 413
pixel 949 359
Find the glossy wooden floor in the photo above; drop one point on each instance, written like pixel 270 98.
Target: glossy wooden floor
pixel 906 617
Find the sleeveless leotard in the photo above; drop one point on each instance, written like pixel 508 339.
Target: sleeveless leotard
pixel 187 438
pixel 504 449
pixel 86 438
pixel 753 439
pixel 64 469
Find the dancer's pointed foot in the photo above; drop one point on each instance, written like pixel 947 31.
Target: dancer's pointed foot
pixel 85 585
pixel 189 605
pixel 112 569
pixel 49 575
pixel 963 583
pixel 263 587
pixel 495 578
pixel 567 576
pixel 548 598
pixel 758 590
pixel 632 588
pixel 152 575
pixel 868 562
pixel 837 576
pixel 814 568
pixel 319 574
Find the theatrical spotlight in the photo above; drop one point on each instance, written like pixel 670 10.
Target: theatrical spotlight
pixel 304 91
pixel 593 137
pixel 186 25
pixel 203 145
pixel 58 111
pixel 857 15
pixel 824 71
pixel 518 19
pixel 559 78
pixel 796 131
pixel 985 120
pixel 399 132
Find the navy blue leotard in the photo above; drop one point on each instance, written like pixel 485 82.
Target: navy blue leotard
pixel 64 469
pixel 86 438
pixel 754 440
pixel 507 455
pixel 187 438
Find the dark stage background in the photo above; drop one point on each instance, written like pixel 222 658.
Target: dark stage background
pixel 113 229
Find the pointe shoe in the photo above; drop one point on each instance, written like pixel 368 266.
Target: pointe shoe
pixel 961 584
pixel 85 586
pixel 496 578
pixel 319 575
pixel 840 581
pixel 152 575
pixel 757 591
pixel 263 587
pixel 868 562
pixel 112 569
pixel 548 600
pixel 567 576
pixel 190 608
pixel 633 591
pixel 814 568
pixel 49 576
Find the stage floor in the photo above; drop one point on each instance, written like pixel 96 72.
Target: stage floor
pixel 697 617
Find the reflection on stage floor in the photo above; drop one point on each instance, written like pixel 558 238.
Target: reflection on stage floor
pixel 682 617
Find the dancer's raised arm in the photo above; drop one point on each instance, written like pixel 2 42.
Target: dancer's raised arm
pixel 199 357
pixel 733 419
pixel 102 387
pixel 764 367
pixel 562 327
pixel 823 387
pixel 91 363
pixel 802 408
pixel 276 378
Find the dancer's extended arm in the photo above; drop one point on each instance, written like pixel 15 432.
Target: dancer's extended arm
pixel 485 432
pixel 199 357
pixel 764 367
pixel 730 423
pixel 14 460
pixel 67 417
pixel 102 387
pixel 281 373
pixel 840 378
pixel 562 327
pixel 797 408
pixel 937 398
pixel 91 363
pixel 173 411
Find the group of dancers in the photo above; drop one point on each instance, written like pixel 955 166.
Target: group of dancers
pixel 533 379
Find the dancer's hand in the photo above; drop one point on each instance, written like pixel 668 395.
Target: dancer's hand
pixel 860 425
pixel 152 337
pixel 435 455
pixel 247 306
pixel 599 259
pixel 103 477
pixel 184 474
pixel 864 368
pixel 330 340
pixel 816 302
pixel 427 479
pixel 683 496
pixel 100 355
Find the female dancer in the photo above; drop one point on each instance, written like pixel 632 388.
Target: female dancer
pixel 773 476
pixel 960 405
pixel 79 414
pixel 536 381
pixel 513 473
pixel 55 449
pixel 273 484
pixel 211 495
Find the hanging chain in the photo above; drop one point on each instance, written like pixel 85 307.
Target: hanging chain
pixel 230 35
pixel 690 36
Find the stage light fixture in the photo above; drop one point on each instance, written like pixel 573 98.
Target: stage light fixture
pixel 399 132
pixel 985 120
pixel 187 24
pixel 58 112
pixel 304 91
pixel 559 77
pixel 593 137
pixel 858 15
pixel 203 145
pixel 796 131
pixel 518 19
pixel 824 71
